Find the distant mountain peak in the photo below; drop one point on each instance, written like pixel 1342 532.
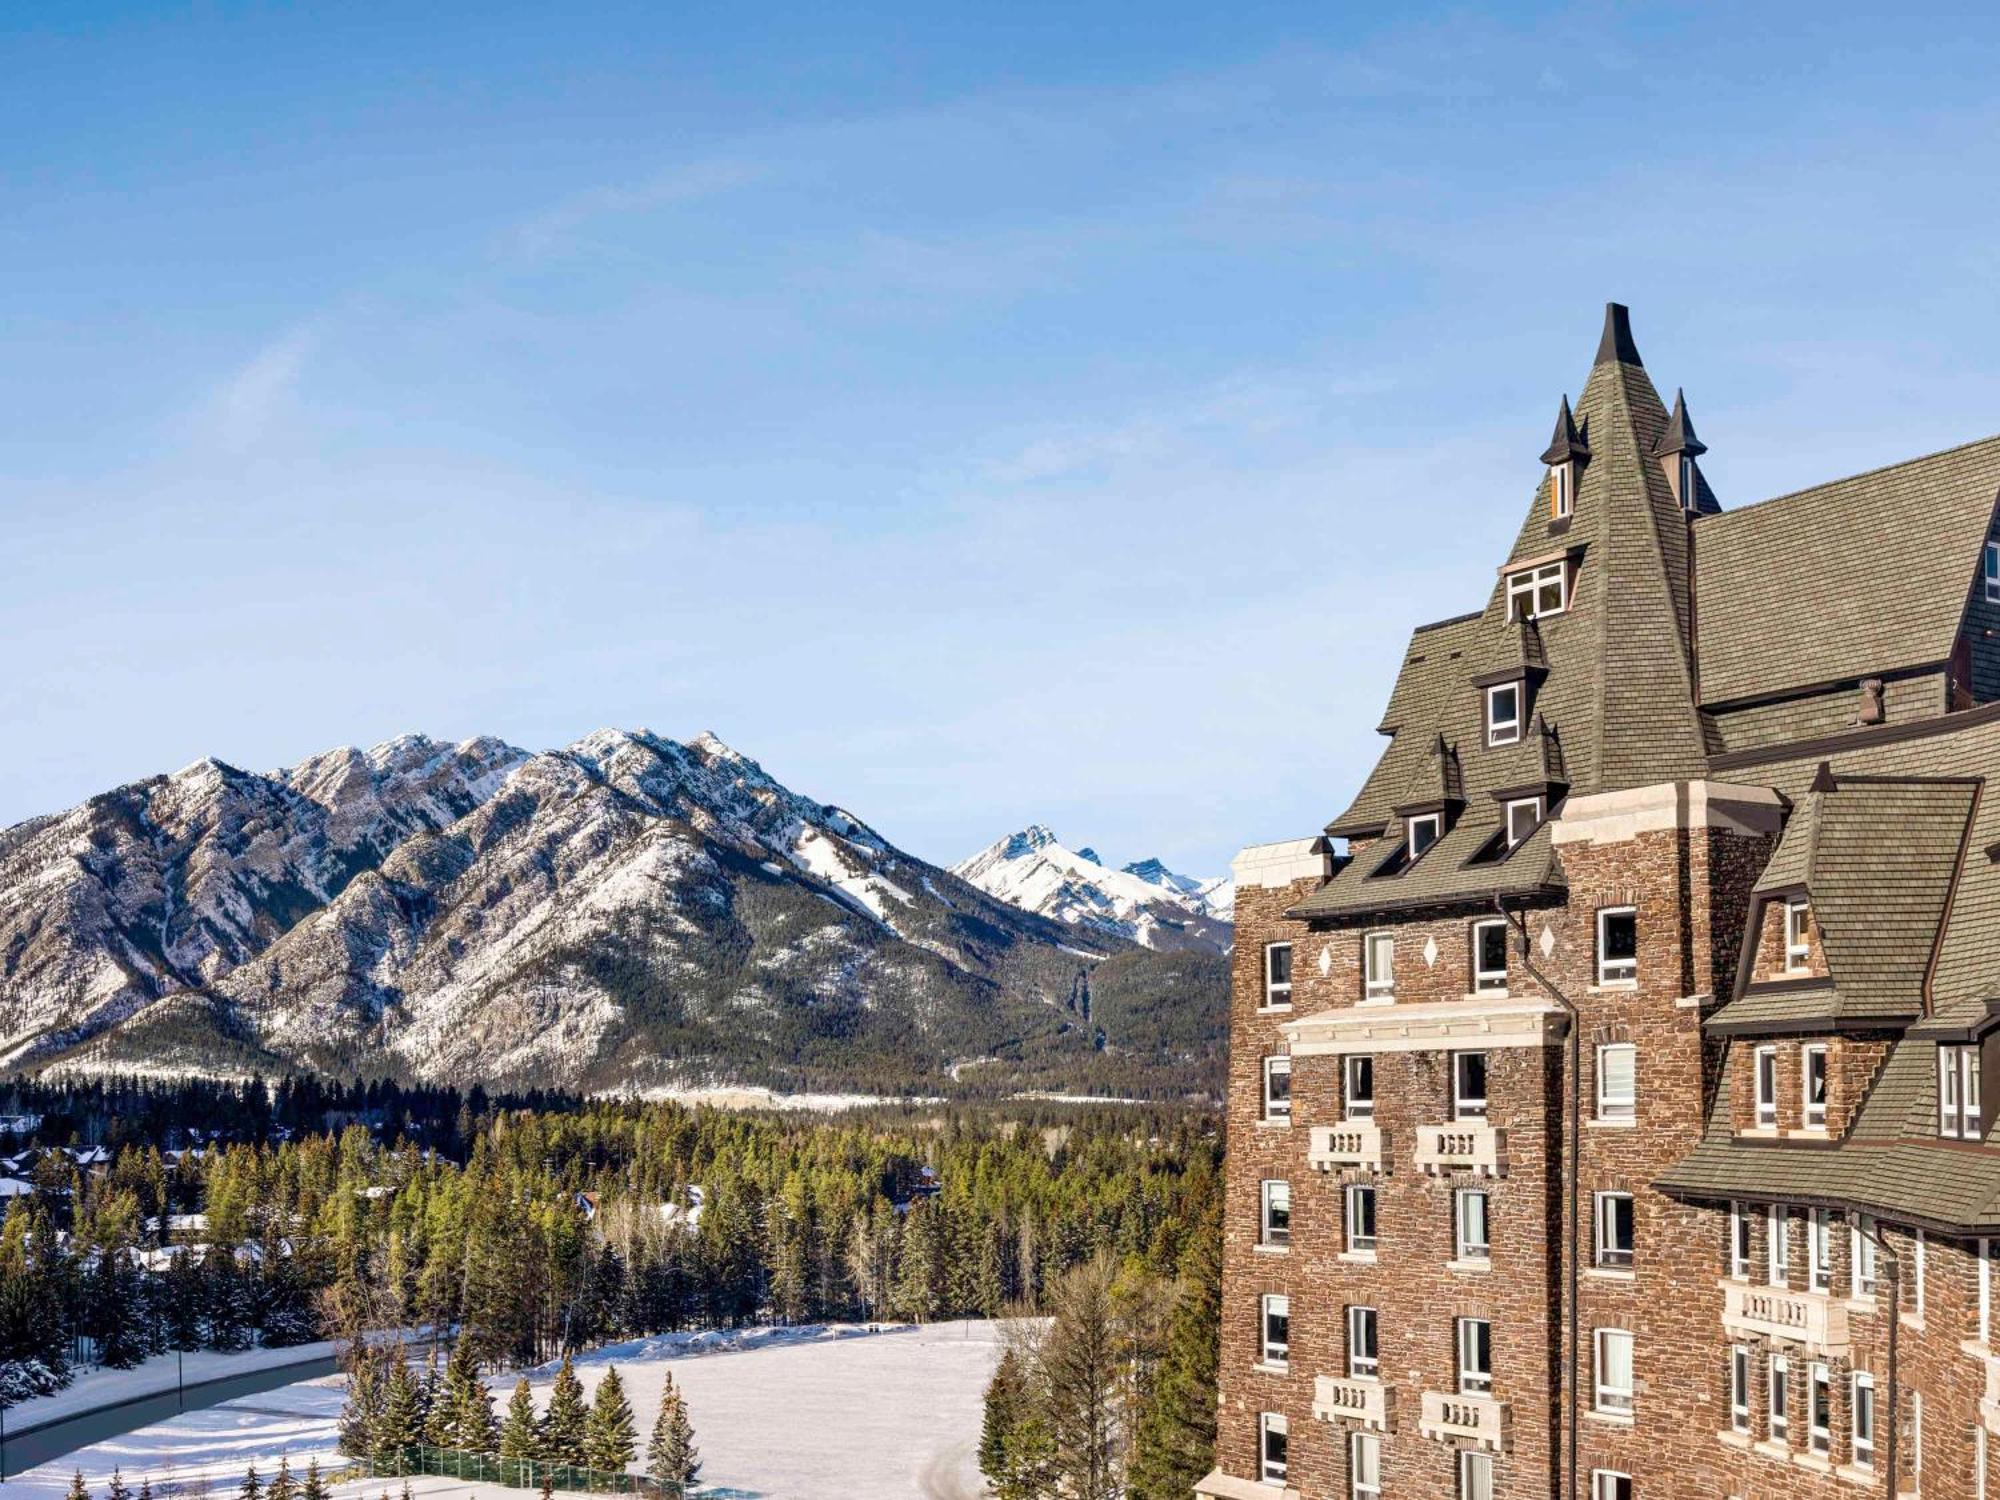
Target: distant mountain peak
pixel 1145 902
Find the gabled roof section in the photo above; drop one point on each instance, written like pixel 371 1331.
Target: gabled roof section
pixel 1568 443
pixel 1679 437
pixel 1843 581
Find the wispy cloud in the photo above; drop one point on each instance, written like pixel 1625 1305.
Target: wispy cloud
pixel 561 228
pixel 243 408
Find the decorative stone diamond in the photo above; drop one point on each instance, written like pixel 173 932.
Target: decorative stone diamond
pixel 1325 961
pixel 1430 951
pixel 1548 940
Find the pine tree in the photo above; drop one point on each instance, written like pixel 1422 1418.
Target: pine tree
pixel 469 1405
pixel 565 1425
pixel 358 1415
pixel 671 1457
pixel 145 1487
pixel 251 1489
pixel 397 1426
pixel 658 1454
pixel 1005 1409
pixel 315 1487
pixel 1176 1437
pixel 436 1395
pixel 519 1438
pixel 1080 1374
pixel 611 1432
pixel 118 1489
pixel 281 1486
pixel 76 1487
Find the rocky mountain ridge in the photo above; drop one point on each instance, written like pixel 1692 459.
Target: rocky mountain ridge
pixel 1144 902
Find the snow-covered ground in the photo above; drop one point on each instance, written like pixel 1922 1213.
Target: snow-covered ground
pixel 95 1388
pixel 823 1413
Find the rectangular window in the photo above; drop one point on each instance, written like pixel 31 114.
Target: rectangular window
pixel 1475 1475
pixel 1780 1399
pixel 1277 1088
pixel 1614 1230
pixel 1739 1242
pixel 1614 1370
pixel 1358 1086
pixel 1778 1243
pixel 1766 1068
pixel 1992 573
pixel 1864 1420
pixel 1562 489
pixel 1424 830
pixel 1378 963
pixel 1819 1250
pixel 1469 1216
pixel 1277 1329
pixel 1958 1093
pixel 1617 945
pixel 1468 1085
pixel 1524 816
pixel 1277 976
pixel 1360 1217
pixel 1798 931
pixel 1819 1410
pixel 1489 957
pixel 1689 492
pixel 1364 1466
pixel 1862 1257
pixel 1608 1484
pixel 1364 1354
pixel 1475 1356
pixel 1538 591
pixel 1272 1433
pixel 1739 1388
pixel 1812 1080
pixel 1617 1081
pixel 1277 1212
pixel 1503 713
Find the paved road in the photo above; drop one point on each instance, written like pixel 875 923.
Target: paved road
pixel 67 1434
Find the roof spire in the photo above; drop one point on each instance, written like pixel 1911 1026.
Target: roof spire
pixel 1616 346
pixel 1568 442
pixel 1679 436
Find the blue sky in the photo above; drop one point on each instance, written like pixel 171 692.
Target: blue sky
pixel 978 415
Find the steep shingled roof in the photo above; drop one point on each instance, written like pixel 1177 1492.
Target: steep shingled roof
pixel 1825 585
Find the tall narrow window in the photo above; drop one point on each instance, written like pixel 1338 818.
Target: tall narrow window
pixel 1958 1093
pixel 1358 1086
pixel 1277 1088
pixel 1277 976
pixel 1819 1409
pixel 1614 1370
pixel 1864 1419
pixel 1766 1067
pixel 1617 945
pixel 1739 1242
pixel 1489 957
pixel 1812 1084
pixel 1378 964
pixel 1274 1433
pixel 1780 1398
pixel 1277 1226
pixel 1364 1466
pixel 1360 1218
pixel 1364 1354
pixel 1468 1085
pixel 1475 1475
pixel 1475 1356
pixel 1469 1223
pixel 1862 1256
pixel 1739 1388
pixel 1503 713
pixel 1992 574
pixel 1424 830
pixel 1798 935
pixel 1524 816
pixel 1608 1484
pixel 1917 1294
pixel 1819 1250
pixel 1617 1081
pixel 1614 1231
pixel 1688 490
pixel 1778 1243
pixel 1562 489
pixel 1277 1341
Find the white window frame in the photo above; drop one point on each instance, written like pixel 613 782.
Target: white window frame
pixel 1739 1387
pixel 1819 1394
pixel 1363 1319
pixel 1688 487
pixel 1798 935
pixel 1861 1398
pixel 1352 1105
pixel 1358 1487
pixel 1739 1243
pixel 1487 981
pixel 1269 1231
pixel 1466 1105
pixel 1276 1354
pixel 1764 1085
pixel 1922 1248
pixel 1813 1114
pixel 1610 1484
pixel 1604 1217
pixel 1472 1380
pixel 1617 971
pixel 1524 591
pixel 1272 1424
pixel 1613 1400
pixel 1470 1240
pixel 1863 1272
pixel 1360 1242
pixel 1410 824
pixel 1277 992
pixel 1819 1250
pixel 1992 573
pixel 1778 1244
pixel 1378 965
pixel 1611 1106
pixel 1501 731
pixel 1562 488
pixel 1960 1113
pixel 1517 836
pixel 1278 1066
pixel 1778 1400
pixel 1475 1475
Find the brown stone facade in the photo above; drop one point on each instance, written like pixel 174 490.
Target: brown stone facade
pixel 1675 1292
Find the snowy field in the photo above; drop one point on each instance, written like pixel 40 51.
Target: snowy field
pixel 780 1414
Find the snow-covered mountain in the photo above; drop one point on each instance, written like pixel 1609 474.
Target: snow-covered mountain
pixel 1144 902
pixel 628 912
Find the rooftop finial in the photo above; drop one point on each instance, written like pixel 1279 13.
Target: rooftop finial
pixel 1679 436
pixel 1568 443
pixel 1616 345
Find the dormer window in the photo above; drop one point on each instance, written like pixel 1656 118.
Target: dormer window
pixel 1425 829
pixel 1503 713
pixel 1524 815
pixel 1562 490
pixel 1992 573
pixel 1686 486
pixel 1798 935
pixel 1534 592
pixel 1958 1093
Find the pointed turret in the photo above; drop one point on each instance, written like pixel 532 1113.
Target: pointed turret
pixel 1568 444
pixel 1616 346
pixel 1679 437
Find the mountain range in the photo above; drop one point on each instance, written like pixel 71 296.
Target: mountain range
pixel 626 913
pixel 1144 902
